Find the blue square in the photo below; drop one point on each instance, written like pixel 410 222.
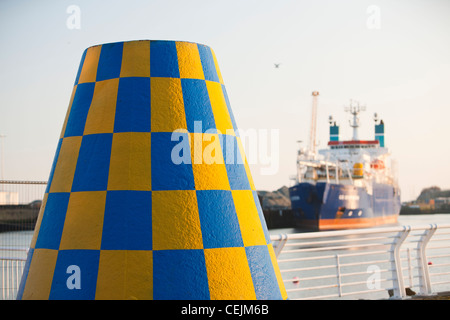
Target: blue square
pixel 263 275
pixel 168 173
pixel 237 175
pixel 209 67
pixel 79 110
pixel 180 275
pixel 75 276
pixel 197 106
pixel 110 61
pixel 164 59
pixel 52 222
pixel 127 223
pixel 133 105
pixel 92 170
pixel 218 219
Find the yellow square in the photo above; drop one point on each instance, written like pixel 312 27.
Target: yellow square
pixel 219 108
pixel 136 59
pixel 100 118
pixel 68 112
pixel 130 165
pixel 84 221
pixel 273 258
pixel 40 275
pixel 229 275
pixel 217 67
pixel 125 275
pixel 167 105
pixel 89 70
pixel 249 221
pixel 175 220
pixel 208 165
pixel 189 61
pixel 66 164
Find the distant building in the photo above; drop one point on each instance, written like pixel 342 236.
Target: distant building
pixel 441 201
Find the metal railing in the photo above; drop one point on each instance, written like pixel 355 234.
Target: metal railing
pixel 20 202
pixel 11 270
pixel 376 263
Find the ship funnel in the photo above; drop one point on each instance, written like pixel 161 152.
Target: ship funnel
pixel 150 195
pixel 379 131
pixel 334 130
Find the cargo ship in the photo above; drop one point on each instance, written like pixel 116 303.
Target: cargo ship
pixel 350 184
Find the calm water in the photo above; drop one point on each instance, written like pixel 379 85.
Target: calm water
pixel 424 219
pixel 411 220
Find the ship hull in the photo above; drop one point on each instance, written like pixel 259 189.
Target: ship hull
pixel 327 206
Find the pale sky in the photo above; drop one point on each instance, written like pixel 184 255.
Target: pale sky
pixel 392 56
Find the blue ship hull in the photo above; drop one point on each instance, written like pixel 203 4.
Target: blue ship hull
pixel 327 206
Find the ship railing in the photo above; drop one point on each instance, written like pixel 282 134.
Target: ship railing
pixel 376 263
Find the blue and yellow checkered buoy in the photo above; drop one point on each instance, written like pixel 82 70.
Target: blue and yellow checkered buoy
pixel 150 195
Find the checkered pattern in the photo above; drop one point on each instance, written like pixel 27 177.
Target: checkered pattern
pixel 136 223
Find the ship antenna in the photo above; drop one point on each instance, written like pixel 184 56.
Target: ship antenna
pixel 354 110
pixel 312 134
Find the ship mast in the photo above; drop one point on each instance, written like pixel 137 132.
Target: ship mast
pixel 312 134
pixel 354 110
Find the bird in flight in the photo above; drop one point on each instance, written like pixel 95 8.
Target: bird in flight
pixel 277 65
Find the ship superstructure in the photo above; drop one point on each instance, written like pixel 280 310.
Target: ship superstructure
pixel 350 184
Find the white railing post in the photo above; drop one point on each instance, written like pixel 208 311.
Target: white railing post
pixel 281 242
pixel 410 269
pixel 399 286
pixel 3 280
pixel 338 274
pixel 424 279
